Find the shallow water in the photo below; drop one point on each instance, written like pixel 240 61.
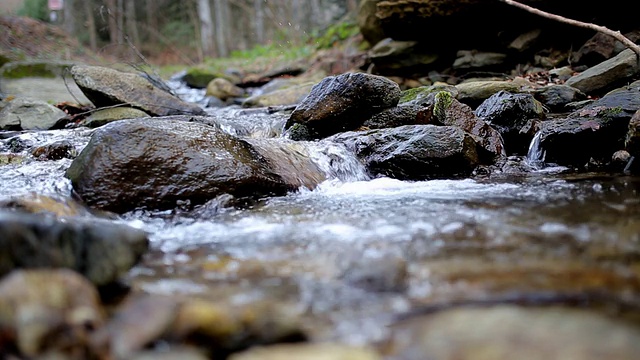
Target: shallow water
pixel 355 254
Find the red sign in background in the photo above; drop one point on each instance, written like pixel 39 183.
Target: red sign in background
pixel 56 4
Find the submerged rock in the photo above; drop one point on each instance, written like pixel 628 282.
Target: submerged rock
pixel 100 250
pixel 108 87
pixel 343 103
pixel 159 163
pixel 414 152
pixel 48 310
pixel 105 116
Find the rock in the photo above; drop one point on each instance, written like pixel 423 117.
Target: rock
pixel 557 97
pixel 397 116
pixel 632 140
pixel 100 250
pixel 43 204
pixel 105 116
pixel 391 57
pixel 475 60
pixel 414 152
pixel 44 310
pixel 223 89
pixel 157 163
pixel 606 75
pixel 38 68
pixel 344 102
pixel 508 332
pixel 172 354
pixel 214 327
pixel 200 78
pixel 290 160
pixel 512 115
pixel 450 112
pixel 55 151
pixel 11 159
pixel 387 274
pixel 473 93
pixel 27 114
pixel 108 87
pixel 599 48
pixel 368 23
pixel 320 351
pixel 288 96
pixel 570 141
pixel 425 95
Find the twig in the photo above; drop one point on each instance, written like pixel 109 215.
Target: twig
pixel 615 34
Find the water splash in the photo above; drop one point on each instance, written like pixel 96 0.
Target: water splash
pixel 536 154
pixel 337 162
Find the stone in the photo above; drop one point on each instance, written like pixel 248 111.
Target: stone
pixel 473 93
pixel 155 163
pixel 43 204
pixel 607 75
pixel 557 97
pixel 287 96
pixel 397 116
pixel 223 89
pixel 100 250
pixel 320 351
pixel 43 310
pixel 344 102
pixel 55 151
pixel 108 87
pixel 105 116
pixel 27 114
pixel 414 152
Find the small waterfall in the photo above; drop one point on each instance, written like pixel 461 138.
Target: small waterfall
pixel 337 162
pixel 536 155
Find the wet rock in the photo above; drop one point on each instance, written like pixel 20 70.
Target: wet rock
pixel 557 97
pixel 425 95
pixel 155 163
pixel 508 332
pixel 397 116
pixel 632 140
pixel 320 351
pixel 450 112
pixel 43 204
pixel 223 89
pixel 344 102
pixel 199 78
pixel 477 60
pixel 605 122
pixel 288 96
pixel 473 93
pixel 105 116
pixel 27 114
pixel 368 22
pixel 607 75
pixel 108 87
pixel 290 160
pixel 172 354
pixel 11 159
pixel 414 152
pixel 512 116
pixel 55 151
pixel 100 250
pixel 48 310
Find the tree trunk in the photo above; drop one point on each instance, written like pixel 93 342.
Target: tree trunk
pixel 132 26
pixel 259 20
pixel 69 19
pixel 221 26
pixel 91 24
pixel 112 10
pixel 152 19
pixel 206 27
pixel 120 20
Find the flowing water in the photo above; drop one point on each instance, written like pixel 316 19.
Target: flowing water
pixel 356 253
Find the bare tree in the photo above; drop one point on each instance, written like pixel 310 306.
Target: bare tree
pixel 220 9
pixel 259 20
pixel 206 27
pixel 91 24
pixel 132 27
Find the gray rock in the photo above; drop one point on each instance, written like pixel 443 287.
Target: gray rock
pixel 397 116
pixel 27 114
pixel 287 96
pixel 343 103
pixel 473 93
pixel 105 116
pixel 156 163
pixel 414 152
pixel 557 97
pixel 100 250
pixel 602 77
pixel 108 87
pixel 512 116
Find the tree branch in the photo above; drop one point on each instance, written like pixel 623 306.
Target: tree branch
pixel 615 34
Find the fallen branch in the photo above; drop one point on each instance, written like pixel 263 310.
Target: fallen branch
pixel 615 34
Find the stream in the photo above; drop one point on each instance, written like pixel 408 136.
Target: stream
pixel 356 254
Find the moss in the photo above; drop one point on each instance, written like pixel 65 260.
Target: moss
pixel 23 69
pixel 200 78
pixel 442 103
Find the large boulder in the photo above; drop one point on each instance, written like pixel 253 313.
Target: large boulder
pixel 414 152
pixel 28 114
pixel 100 250
pixel 159 163
pixel 108 87
pixel 342 103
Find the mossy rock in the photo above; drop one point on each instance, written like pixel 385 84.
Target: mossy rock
pixel 42 69
pixel 422 93
pixel 200 78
